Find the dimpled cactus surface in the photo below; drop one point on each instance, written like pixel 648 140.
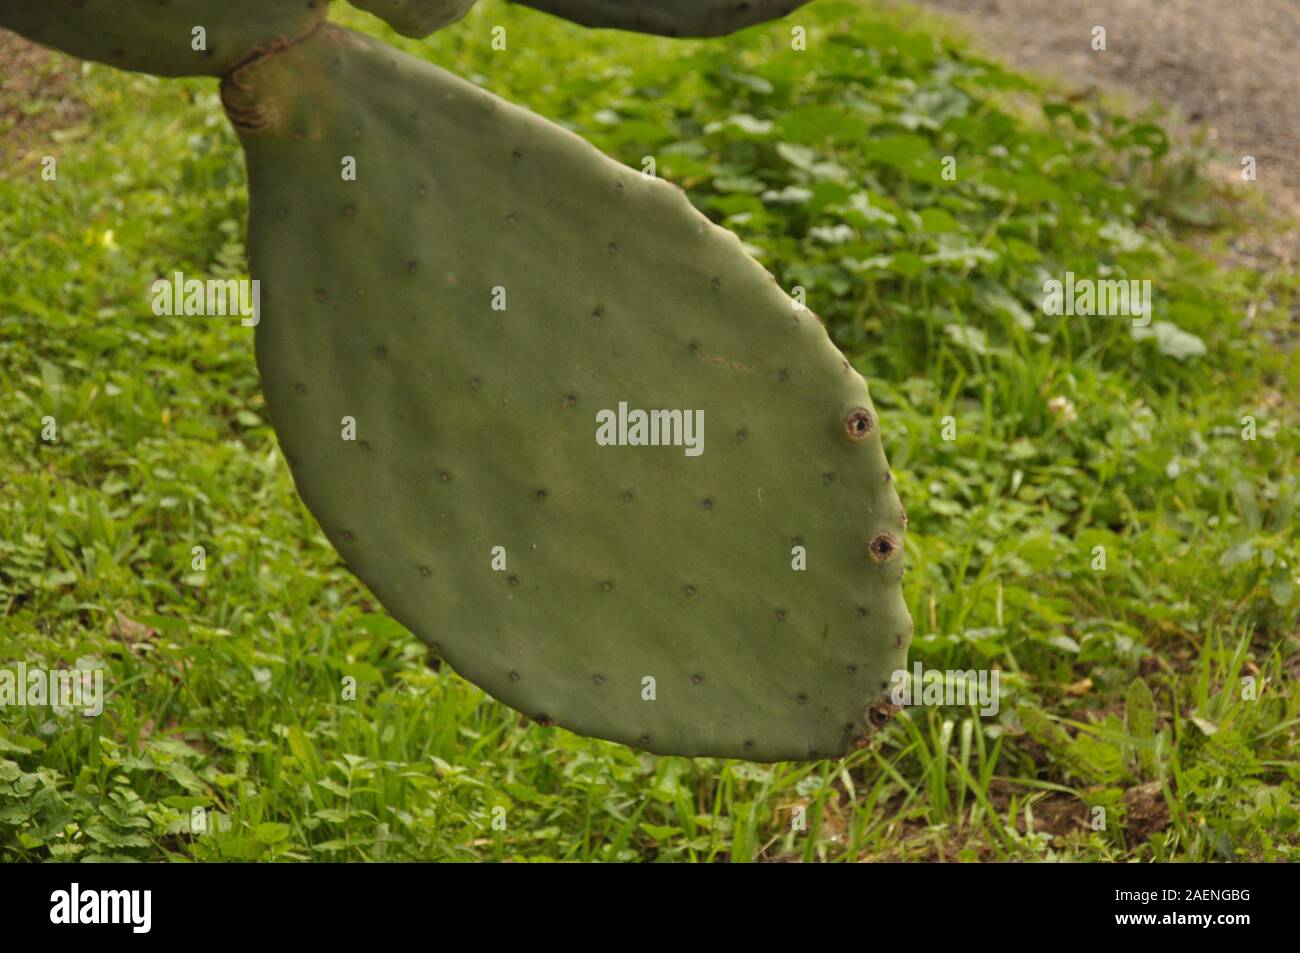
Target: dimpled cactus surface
pixel 417 17
pixel 668 17
pixel 463 308
pixel 159 36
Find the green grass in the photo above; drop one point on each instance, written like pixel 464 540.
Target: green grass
pixel 1070 434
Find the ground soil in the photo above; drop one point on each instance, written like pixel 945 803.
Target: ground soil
pixel 37 95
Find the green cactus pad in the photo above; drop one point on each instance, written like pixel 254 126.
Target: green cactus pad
pixel 668 17
pixel 475 428
pixel 416 17
pixel 156 36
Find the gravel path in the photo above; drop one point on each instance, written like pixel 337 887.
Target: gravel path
pixel 1232 65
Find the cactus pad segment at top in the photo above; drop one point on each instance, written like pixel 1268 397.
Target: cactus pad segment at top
pixel 439 337
pixel 416 17
pixel 158 36
pixel 668 17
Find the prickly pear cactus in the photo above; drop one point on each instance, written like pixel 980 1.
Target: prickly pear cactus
pixel 567 431
pixel 167 37
pixel 473 366
pixel 668 17
pixel 417 17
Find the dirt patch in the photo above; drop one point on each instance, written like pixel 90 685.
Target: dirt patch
pixel 1055 813
pixel 1146 812
pixel 36 97
pixel 1231 69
